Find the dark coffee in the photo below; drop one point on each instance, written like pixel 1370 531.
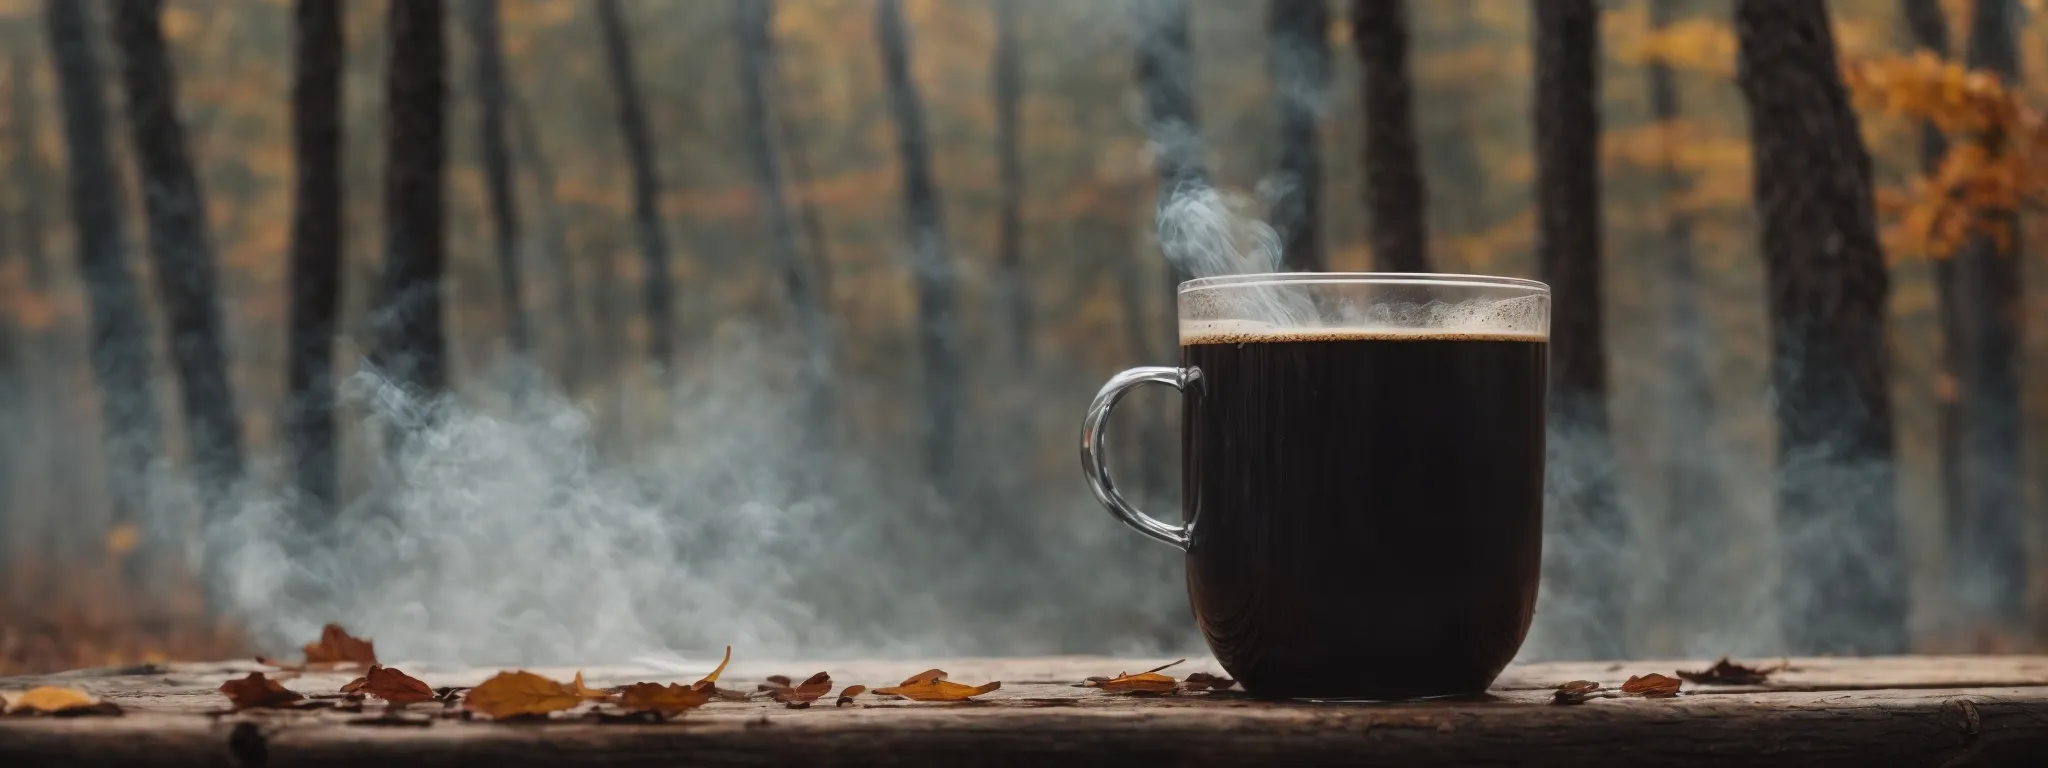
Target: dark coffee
pixel 1364 510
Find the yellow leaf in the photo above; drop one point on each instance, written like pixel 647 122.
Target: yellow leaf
pixel 713 677
pixel 585 691
pixel 932 685
pixel 52 700
pixel 666 699
pixel 1145 682
pixel 520 693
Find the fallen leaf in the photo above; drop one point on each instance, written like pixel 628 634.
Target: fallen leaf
pixel 396 687
pixel 932 685
pixel 1578 691
pixel 508 694
pixel 729 694
pixel 1653 685
pixel 777 680
pixel 1203 681
pixel 713 677
pixel 1725 672
pixel 587 691
pixel 846 696
pixel 1151 683
pixel 59 702
pixel 336 647
pixel 258 692
pixel 802 694
pixel 666 699
pixel 356 685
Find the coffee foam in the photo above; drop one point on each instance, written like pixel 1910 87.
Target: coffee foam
pixel 1252 331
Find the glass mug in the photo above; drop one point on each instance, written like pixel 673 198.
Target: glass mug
pixel 1362 476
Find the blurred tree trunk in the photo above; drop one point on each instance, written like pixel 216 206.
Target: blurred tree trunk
pixel 573 350
pixel 1166 78
pixel 412 344
pixel 1981 353
pixel 1013 284
pixel 618 50
pixel 497 158
pixel 317 237
pixel 1300 62
pixel 1396 198
pixel 120 333
pixel 1697 516
pixel 1568 252
pixel 186 275
pixel 1844 587
pixel 1458 172
pixel 25 122
pixel 931 269
pixel 751 19
pixel 818 249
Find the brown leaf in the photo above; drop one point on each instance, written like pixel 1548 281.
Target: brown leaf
pixel 1653 685
pixel 337 648
pixel 666 699
pixel 846 696
pixel 1578 691
pixel 1725 672
pixel 59 702
pixel 806 692
pixel 932 685
pixel 778 680
pixel 357 684
pixel 258 692
pixel 508 694
pixel 587 691
pixel 729 694
pixel 1203 681
pixel 1151 683
pixel 396 687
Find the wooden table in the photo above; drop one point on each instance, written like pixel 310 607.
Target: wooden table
pixel 1922 710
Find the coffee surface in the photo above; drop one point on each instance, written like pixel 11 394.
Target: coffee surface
pixel 1365 508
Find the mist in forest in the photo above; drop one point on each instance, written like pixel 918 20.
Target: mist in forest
pixel 570 496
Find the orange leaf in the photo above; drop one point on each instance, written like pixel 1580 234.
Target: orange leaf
pixel 1653 685
pixel 337 647
pixel 802 694
pixel 585 691
pixel 63 702
pixel 932 685
pixel 846 696
pixel 257 691
pixel 713 677
pixel 666 699
pixel 355 685
pixel 1143 682
pixel 396 687
pixel 520 693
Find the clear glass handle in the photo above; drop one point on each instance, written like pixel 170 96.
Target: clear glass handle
pixel 1095 435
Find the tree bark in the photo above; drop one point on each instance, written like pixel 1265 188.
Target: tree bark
pixel 1299 31
pixel 25 121
pixel 751 19
pixel 818 248
pixel 646 185
pixel 1696 531
pixel 1568 252
pixel 568 323
pixel 317 238
pixel 931 269
pixel 497 160
pixel 120 334
pixel 1981 339
pixel 1396 197
pixel 1012 283
pixel 1844 584
pixel 412 345
pixel 186 275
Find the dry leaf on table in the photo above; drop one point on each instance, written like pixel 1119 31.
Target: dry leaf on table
pixel 335 649
pixel 60 702
pixel 802 694
pixel 1203 681
pixel 1578 691
pixel 671 699
pixel 396 687
pixel 932 685
pixel 587 691
pixel 508 694
pixel 258 692
pixel 1652 686
pixel 846 696
pixel 1725 672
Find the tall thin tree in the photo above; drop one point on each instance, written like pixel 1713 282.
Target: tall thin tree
pixel 1568 253
pixel 817 246
pixel 316 251
pixel 1844 587
pixel 1692 486
pixel 568 322
pixel 186 275
pixel 618 48
pixel 411 339
pixel 931 268
pixel 751 20
pixel 1012 282
pixel 1981 341
pixel 121 358
pixel 482 18
pixel 1396 198
pixel 24 124
pixel 1299 58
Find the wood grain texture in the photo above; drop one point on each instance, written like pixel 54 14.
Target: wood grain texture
pixel 1894 711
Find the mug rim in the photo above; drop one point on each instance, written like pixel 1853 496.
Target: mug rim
pixel 1384 278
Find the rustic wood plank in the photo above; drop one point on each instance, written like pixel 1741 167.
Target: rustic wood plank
pixel 1905 710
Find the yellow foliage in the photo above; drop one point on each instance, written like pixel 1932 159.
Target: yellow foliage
pixel 1697 44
